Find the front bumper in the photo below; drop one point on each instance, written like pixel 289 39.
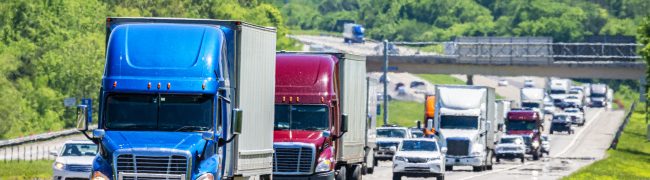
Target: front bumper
pixel 384 154
pixel 431 168
pixel 464 161
pixel 510 155
pixel 316 176
pixel 63 174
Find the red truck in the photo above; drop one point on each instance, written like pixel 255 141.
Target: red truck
pixel 528 124
pixel 323 129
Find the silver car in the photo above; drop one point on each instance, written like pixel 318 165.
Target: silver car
pixel 74 160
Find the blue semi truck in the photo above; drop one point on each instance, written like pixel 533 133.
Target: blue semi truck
pixel 184 99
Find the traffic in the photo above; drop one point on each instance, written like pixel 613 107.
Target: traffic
pixel 212 99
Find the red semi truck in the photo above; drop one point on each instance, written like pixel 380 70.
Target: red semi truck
pixel 528 124
pixel 322 124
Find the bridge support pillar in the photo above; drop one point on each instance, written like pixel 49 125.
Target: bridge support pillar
pixel 470 79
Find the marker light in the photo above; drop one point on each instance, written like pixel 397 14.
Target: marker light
pixel 159 85
pixel 284 98
pixel 322 99
pixel 169 85
pixel 297 99
pixel 290 99
pixel 149 85
pixel 203 86
pixel 114 84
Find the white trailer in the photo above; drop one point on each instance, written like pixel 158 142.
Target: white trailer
pixel 533 98
pixel 465 116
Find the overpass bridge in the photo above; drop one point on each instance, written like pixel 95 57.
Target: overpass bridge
pixel 530 56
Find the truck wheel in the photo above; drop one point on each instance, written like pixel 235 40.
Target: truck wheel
pixel 498 159
pixel 551 132
pixel 375 162
pixel 489 167
pixel 440 177
pixel 523 159
pixel 342 173
pixel 397 176
pixel 536 156
pixel 370 170
pixel 449 168
pixel 477 168
pixel 355 173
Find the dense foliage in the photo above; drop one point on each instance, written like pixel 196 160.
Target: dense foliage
pixel 53 49
pixel 441 20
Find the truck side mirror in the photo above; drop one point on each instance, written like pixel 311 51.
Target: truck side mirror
pixel 82 117
pixel 419 125
pixel 344 123
pixel 98 133
pixel 208 136
pixel 237 115
pixel 443 150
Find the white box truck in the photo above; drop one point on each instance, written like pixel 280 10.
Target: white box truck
pixel 464 117
pixel 533 98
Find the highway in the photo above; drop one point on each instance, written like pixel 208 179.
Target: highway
pixel 568 153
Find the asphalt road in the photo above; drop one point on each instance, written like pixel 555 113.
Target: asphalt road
pixel 568 153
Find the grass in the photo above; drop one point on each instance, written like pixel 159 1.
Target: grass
pixel 631 160
pixel 441 79
pixel 41 169
pixel 402 113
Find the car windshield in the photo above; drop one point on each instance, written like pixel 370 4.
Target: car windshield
pixel 391 133
pixel 572 97
pixel 159 112
pixel 458 122
pixel 518 125
pixel 558 91
pixel 79 150
pixel 301 117
pixel 571 110
pixel 559 117
pixel 510 140
pixel 530 105
pixel 418 146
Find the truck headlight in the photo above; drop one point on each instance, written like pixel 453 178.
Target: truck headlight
pixel 59 165
pixel 97 175
pixel 324 166
pixel 399 158
pixel 206 176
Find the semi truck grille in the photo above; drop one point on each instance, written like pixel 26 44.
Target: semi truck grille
pixel 134 165
pixel 457 147
pixel 293 160
pixel 78 168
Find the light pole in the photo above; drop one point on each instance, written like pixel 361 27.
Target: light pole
pixel 385 82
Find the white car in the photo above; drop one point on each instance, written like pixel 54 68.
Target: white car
pixel 576 116
pixel 529 83
pixel 388 138
pixel 511 147
pixel 573 99
pixel 74 160
pixel 549 108
pixel 546 144
pixel 420 157
pixel 503 82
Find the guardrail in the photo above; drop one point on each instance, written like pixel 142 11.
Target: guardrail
pixel 37 137
pixel 622 127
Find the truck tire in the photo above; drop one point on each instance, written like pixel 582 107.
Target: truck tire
pixel 370 170
pixel 342 173
pixel 397 176
pixel 551 132
pixel 375 162
pixel 440 177
pixel 523 159
pixel 477 168
pixel 449 168
pixel 536 156
pixel 498 159
pixel 355 173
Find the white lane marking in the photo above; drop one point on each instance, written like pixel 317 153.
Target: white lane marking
pixel 577 136
pixel 528 163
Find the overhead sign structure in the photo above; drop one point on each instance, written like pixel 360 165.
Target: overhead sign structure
pixel 70 102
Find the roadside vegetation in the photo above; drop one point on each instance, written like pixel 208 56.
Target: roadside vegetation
pixel 631 159
pixel 41 169
pixel 440 79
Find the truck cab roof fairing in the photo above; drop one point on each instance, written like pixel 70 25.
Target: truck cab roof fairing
pixel 306 76
pixel 188 64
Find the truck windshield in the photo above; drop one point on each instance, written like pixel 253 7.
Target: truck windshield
pixel 518 125
pixel 159 112
pixel 597 95
pixel 530 105
pixel 458 122
pixel 419 146
pixel 391 133
pixel 302 117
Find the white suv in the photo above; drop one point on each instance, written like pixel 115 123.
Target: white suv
pixel 420 157
pixel 74 160
pixel 511 147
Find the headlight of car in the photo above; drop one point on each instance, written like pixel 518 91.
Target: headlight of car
pixel 206 176
pixel 97 175
pixel 59 165
pixel 399 158
pixel 324 166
